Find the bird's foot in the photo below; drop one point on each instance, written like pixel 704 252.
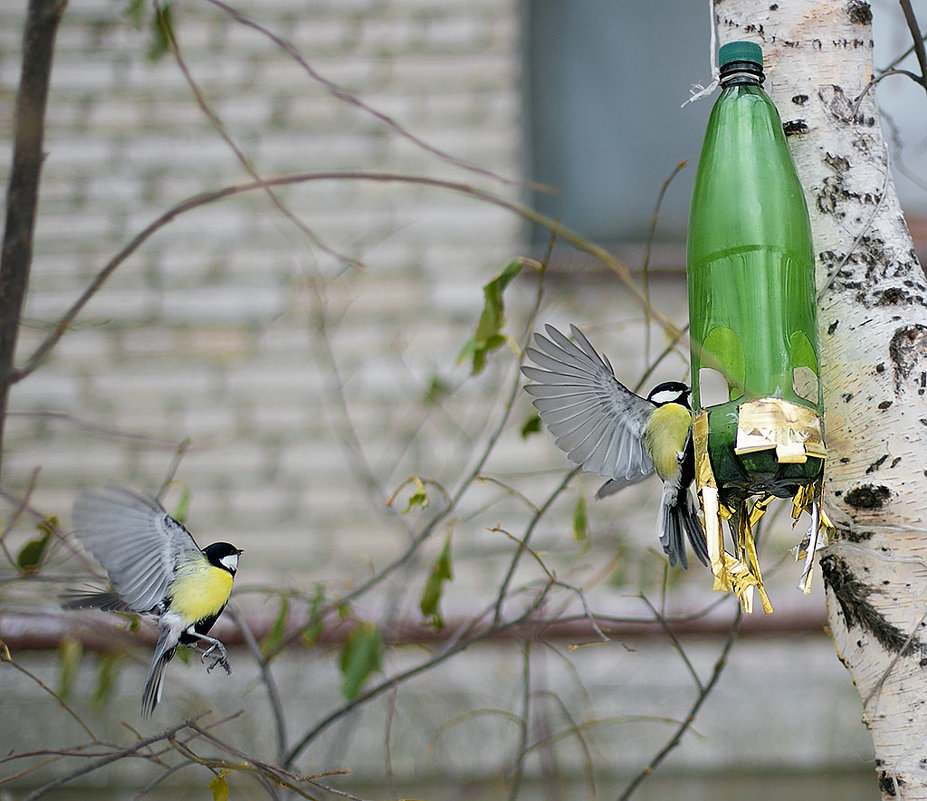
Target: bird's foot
pixel 220 659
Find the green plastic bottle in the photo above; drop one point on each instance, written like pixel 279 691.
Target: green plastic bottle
pixel 750 270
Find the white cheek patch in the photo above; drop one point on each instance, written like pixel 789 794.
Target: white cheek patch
pixel 230 562
pixel 667 396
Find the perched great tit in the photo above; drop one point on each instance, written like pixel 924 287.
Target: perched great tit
pixel 611 431
pixel 155 568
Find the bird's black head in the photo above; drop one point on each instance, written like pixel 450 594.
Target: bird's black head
pixel 223 555
pixel 670 392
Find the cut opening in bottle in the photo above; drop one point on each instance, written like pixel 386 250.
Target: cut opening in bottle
pixel 805 383
pixel 713 388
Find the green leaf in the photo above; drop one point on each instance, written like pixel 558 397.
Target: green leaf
pixel 70 653
pixel 132 619
pixel 314 630
pixel 362 655
pixel 436 391
pixel 162 32
pixel 344 610
pixel 488 336
pixel 531 426
pixel 135 12
pixel 107 671
pixel 419 498
pixel 220 788
pixel 434 587
pixel 580 519
pixel 278 630
pixel 29 559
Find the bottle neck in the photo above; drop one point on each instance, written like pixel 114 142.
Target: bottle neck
pixel 741 72
pixel 740 79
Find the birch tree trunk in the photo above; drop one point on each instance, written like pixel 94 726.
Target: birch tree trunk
pixel 873 345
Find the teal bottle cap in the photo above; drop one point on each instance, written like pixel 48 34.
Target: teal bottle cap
pixel 740 51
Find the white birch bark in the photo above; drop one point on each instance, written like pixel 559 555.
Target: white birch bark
pixel 872 320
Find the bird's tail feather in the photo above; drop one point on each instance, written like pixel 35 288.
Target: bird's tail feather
pixel 164 652
pixel 679 521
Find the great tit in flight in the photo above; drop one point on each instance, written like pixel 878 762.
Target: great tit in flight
pixel 155 568
pixel 611 431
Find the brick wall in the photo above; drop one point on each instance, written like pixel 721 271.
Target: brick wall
pixel 210 330
pixel 231 328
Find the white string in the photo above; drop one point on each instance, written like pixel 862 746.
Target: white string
pixel 698 91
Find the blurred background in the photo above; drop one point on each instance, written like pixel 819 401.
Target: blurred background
pixel 291 378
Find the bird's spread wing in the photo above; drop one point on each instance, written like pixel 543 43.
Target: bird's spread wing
pixel 597 421
pixel 135 540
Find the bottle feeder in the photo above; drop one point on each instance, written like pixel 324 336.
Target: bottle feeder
pixel 757 422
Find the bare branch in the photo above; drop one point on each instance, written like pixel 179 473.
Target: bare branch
pixel 347 97
pixel 917 41
pixel 114 757
pixel 22 196
pixel 617 266
pixel 686 724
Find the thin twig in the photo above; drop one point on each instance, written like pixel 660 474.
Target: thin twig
pixel 645 265
pixel 658 616
pixel 347 97
pixel 398 678
pixel 8 659
pixel 525 721
pixel 575 730
pixel 114 757
pixel 267 678
pixel 179 452
pixel 21 505
pixel 916 40
pixel 614 264
pixel 686 724
pixel 220 128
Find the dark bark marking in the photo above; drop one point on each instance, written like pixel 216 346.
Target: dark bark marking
pixel 859 12
pixel 868 496
pixel 853 597
pixel 907 349
pixel 889 784
pixel 851 535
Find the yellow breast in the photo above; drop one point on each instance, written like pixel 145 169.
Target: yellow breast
pixel 200 591
pixel 665 436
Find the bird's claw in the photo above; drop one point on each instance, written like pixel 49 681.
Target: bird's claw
pixel 220 660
